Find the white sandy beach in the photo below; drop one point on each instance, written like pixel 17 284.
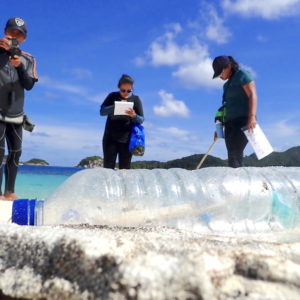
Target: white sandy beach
pixel 85 262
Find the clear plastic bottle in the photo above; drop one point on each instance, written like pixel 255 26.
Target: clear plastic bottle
pixel 210 199
pixel 246 200
pixel 219 130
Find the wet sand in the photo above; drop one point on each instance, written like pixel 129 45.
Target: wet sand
pixel 96 262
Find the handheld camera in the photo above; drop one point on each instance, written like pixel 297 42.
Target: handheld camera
pixel 14 47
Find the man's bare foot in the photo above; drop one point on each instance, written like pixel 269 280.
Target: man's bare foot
pixel 10 196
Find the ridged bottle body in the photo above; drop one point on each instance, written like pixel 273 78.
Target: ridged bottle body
pixel 207 200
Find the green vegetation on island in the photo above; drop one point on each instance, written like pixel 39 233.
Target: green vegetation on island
pixel 288 158
pixel 36 162
pixel 188 162
pixel 91 162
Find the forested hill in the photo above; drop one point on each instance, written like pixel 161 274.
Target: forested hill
pixel 289 158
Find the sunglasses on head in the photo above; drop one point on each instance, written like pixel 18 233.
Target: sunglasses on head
pixel 126 91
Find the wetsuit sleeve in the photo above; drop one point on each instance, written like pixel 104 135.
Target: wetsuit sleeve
pixel 106 110
pixel 107 107
pixel 138 107
pixel 27 75
pixel 138 119
pixel 4 58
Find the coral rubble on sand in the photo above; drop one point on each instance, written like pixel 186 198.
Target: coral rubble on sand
pixel 94 262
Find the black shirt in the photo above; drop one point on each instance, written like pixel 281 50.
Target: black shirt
pixel 118 128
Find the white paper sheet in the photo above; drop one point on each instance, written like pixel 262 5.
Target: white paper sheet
pixel 259 142
pixel 121 107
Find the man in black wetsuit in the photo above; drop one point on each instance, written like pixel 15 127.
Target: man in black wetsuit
pixel 118 127
pixel 17 72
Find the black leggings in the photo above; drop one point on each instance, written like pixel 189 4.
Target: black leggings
pixel 111 149
pixel 236 141
pixel 12 133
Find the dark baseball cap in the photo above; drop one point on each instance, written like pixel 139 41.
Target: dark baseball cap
pixel 18 24
pixel 219 64
pixel 125 79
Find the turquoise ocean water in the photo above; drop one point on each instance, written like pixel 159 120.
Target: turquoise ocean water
pixel 39 182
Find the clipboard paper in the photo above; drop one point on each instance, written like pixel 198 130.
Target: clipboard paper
pixel 121 107
pixel 259 142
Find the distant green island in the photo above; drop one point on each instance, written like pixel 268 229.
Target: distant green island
pixel 35 162
pixel 288 158
pixel 91 162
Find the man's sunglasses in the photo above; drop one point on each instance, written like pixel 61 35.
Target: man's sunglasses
pixel 126 91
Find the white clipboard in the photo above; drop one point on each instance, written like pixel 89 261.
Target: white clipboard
pixel 121 107
pixel 259 142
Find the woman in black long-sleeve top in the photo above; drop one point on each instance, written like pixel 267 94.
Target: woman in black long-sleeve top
pixel 118 127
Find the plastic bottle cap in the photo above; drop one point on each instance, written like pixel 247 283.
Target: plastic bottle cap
pixel 23 212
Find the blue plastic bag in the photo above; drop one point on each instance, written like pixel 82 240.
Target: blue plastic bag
pixel 137 140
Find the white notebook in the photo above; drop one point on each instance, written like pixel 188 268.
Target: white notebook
pixel 259 142
pixel 121 107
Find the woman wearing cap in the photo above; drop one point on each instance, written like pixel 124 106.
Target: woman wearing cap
pixel 118 127
pixel 240 101
pixel 17 73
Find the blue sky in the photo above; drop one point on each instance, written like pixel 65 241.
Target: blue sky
pixel 83 47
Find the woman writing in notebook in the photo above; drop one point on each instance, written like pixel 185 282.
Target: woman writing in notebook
pixel 118 127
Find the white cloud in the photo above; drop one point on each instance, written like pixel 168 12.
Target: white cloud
pixel 139 61
pixel 175 27
pixel 148 125
pixel 51 95
pixel 74 89
pixel 165 51
pixel 62 144
pixel 98 98
pixel 166 143
pixel 81 73
pixel 58 85
pixel 250 69
pixel 170 106
pixel 174 131
pixel 284 133
pixel 177 133
pixel 194 65
pixel 282 129
pixel 198 74
pixel 261 38
pixel 216 30
pixel 66 145
pixel 268 9
pixel 185 50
